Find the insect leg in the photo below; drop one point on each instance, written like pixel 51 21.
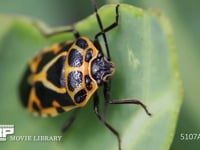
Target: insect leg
pixel 106 92
pixel 130 101
pixel 70 120
pixel 107 88
pixel 49 32
pixel 99 116
pixel 110 27
pixel 104 30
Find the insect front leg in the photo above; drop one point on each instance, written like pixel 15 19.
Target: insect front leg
pixel 104 30
pixel 106 92
pixel 107 88
pixel 105 123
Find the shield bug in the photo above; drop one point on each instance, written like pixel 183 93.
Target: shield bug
pixel 66 75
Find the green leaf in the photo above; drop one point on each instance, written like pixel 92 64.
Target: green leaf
pixel 144 53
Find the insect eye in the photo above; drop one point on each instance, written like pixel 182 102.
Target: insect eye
pixel 99 81
pixel 100 55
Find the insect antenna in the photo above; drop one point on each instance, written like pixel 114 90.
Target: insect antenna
pixel 102 32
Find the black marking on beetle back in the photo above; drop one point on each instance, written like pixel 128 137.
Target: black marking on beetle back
pixel 35 107
pixel 46 57
pixel 25 88
pixel 88 82
pixel 80 96
pixel 55 74
pixel 60 110
pixel 75 58
pixel 74 80
pixel 88 55
pixel 81 43
pixel 47 96
pixel 65 46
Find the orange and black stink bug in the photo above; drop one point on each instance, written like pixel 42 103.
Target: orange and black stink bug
pixel 65 76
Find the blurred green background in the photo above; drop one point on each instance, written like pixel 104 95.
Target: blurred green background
pixel 185 21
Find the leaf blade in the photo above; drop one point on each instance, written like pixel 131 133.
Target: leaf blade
pixel 141 75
